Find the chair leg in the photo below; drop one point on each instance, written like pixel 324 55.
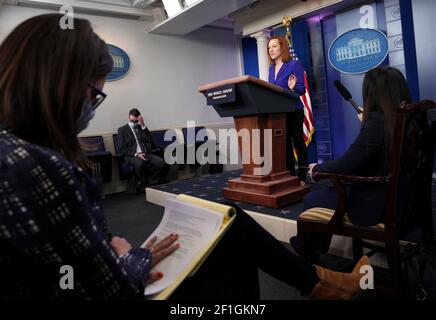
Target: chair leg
pixel 394 261
pixel 357 249
pixel 147 181
pixel 304 247
pixel 427 226
pixel 301 244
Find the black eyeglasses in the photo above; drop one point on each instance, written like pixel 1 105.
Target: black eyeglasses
pixel 99 96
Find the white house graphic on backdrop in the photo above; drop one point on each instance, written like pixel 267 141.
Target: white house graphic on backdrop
pixel 357 48
pixel 118 62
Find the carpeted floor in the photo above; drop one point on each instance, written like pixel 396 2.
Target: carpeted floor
pixel 209 188
pixel 129 216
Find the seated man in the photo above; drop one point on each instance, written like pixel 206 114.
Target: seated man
pixel 136 145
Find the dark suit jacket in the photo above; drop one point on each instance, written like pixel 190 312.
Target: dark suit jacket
pixel 127 141
pixel 365 157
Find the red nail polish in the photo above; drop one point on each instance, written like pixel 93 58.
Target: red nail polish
pixel 160 275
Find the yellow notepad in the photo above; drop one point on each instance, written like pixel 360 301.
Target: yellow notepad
pixel 208 207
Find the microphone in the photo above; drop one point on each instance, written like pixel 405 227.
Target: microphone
pixel 346 95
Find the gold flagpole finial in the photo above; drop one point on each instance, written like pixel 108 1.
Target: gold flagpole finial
pixel 287 21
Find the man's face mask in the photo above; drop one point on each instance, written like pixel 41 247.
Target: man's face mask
pixel 133 122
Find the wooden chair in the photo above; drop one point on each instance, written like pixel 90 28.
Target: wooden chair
pixel 414 120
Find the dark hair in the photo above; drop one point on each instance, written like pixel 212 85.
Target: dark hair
pixel 44 80
pixel 383 90
pixel 134 112
pixel 286 56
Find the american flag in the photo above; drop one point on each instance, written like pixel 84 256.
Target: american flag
pixel 309 123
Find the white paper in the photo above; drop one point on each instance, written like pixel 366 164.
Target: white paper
pixel 195 226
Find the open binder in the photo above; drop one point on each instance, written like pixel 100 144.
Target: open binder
pixel 200 225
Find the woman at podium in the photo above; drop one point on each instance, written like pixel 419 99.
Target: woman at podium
pixel 289 74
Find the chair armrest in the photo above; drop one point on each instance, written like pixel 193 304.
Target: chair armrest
pixel 338 179
pixel 118 156
pixel 342 177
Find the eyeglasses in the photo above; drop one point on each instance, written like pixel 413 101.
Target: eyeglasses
pixel 99 96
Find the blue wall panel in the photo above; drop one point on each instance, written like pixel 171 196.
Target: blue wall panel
pixel 250 57
pixel 421 60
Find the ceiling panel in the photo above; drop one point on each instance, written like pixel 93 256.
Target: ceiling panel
pixel 199 14
pixel 119 8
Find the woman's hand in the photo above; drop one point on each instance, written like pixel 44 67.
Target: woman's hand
pixel 360 115
pixel 160 251
pixel 163 248
pixel 310 171
pixel 292 81
pixel 120 245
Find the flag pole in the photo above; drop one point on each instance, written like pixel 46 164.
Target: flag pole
pixel 308 125
pixel 287 21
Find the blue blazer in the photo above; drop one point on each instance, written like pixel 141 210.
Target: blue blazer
pixel 291 67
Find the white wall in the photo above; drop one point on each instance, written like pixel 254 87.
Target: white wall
pixel 165 70
pixel 163 79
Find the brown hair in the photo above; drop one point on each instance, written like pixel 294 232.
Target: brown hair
pixel 283 47
pixel 44 76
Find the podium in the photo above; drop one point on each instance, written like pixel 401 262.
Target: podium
pixel 257 104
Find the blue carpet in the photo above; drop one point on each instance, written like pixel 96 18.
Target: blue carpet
pixel 209 188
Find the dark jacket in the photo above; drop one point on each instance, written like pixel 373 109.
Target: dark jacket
pixel 51 216
pixel 127 141
pixel 365 157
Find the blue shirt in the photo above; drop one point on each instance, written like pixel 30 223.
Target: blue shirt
pixel 50 216
pixel 291 67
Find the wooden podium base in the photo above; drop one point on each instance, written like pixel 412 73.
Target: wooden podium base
pixel 274 193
